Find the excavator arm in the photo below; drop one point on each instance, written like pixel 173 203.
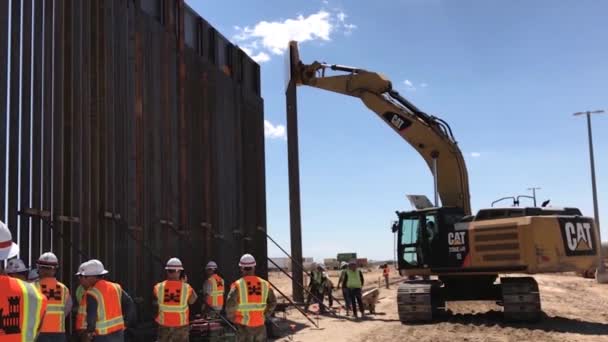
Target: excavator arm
pixel 429 135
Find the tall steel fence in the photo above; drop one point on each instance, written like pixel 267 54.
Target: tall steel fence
pixel 130 131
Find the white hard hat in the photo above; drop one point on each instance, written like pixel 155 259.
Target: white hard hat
pixel 211 265
pixel 8 248
pixel 174 264
pixel 15 266
pixel 247 260
pixel 322 266
pixel 81 268
pixel 33 275
pixel 343 263
pixel 93 267
pixel 48 259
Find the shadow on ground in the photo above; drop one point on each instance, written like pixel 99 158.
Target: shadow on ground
pixel 547 323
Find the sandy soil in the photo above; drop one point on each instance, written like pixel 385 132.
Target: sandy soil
pixel 576 309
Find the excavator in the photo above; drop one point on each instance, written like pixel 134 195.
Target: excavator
pixel 446 253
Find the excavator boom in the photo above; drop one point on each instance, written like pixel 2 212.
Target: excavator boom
pixel 429 135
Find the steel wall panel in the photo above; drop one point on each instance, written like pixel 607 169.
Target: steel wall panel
pixel 13 122
pixel 4 67
pixel 25 129
pixel 155 150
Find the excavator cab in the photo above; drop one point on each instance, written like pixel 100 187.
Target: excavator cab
pixel 430 238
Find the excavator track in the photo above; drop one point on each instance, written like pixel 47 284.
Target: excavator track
pixel 521 299
pixel 418 301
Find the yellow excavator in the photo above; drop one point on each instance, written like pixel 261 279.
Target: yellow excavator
pixel 447 253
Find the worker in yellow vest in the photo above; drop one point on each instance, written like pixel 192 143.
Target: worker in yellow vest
pixel 173 297
pixel 58 296
pixel 80 325
pixel 213 290
pixel 353 282
pixel 109 308
pixel 21 304
pixel 250 302
pixel 343 268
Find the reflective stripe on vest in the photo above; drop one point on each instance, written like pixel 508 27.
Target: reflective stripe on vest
pixel 32 310
pixel 109 309
pixel 54 320
pixel 354 279
pixel 174 314
pixel 253 295
pixel 215 298
pixel 79 293
pixel 81 315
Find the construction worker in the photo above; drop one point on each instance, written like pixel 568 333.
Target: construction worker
pixel 213 290
pixel 81 311
pixel 16 268
pixel 343 267
pixel 173 297
pixel 22 306
pixel 386 273
pixel 328 287
pixel 315 287
pixel 353 282
pixel 109 308
pixel 250 302
pixel 58 298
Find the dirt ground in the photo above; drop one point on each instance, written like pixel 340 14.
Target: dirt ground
pixel 575 309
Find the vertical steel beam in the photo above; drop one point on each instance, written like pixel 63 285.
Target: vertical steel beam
pixel 294 190
pixel 14 117
pixel 25 142
pixel 37 109
pixel 4 67
pixel 47 118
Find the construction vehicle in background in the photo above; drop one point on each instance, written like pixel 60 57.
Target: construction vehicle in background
pixel 448 253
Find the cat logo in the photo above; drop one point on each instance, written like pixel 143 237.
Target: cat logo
pixel 578 236
pixel 456 238
pixel 397 121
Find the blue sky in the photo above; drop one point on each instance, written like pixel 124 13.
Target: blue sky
pixel 506 75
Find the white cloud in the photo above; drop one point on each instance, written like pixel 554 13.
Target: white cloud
pixel 274 132
pixel 272 37
pixel 409 85
pixel 475 154
pixel 261 57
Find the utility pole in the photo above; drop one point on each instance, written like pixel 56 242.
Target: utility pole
pixel 601 269
pixel 534 193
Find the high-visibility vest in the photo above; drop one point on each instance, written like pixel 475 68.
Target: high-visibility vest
pixel 22 308
pixel 317 277
pixel 353 280
pixel 252 297
pixel 80 291
pixel 109 308
pixel 81 315
pixel 57 296
pixel 173 310
pixel 215 295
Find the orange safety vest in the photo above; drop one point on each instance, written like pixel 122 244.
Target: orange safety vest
pixel 173 310
pixel 109 308
pixel 81 315
pixel 22 308
pixel 386 272
pixel 57 296
pixel 252 296
pixel 215 295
